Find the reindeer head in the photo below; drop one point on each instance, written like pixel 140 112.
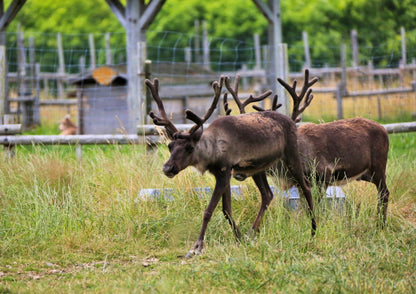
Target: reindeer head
pixel 183 144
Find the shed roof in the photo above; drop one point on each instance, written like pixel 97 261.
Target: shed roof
pixel 167 73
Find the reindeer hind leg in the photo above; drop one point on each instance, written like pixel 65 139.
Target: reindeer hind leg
pixel 378 178
pixel 227 210
pixel 266 197
pixel 295 169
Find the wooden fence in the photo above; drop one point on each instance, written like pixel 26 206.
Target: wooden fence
pixel 10 135
pixel 29 73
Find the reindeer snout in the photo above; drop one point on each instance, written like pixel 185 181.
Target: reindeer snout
pixel 169 170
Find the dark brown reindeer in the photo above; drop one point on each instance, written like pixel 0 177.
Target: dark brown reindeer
pixel 246 144
pixel 341 151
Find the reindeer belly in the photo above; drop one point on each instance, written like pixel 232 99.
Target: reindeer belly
pixel 248 167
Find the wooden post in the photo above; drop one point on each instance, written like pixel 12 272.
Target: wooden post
pixel 342 86
pixel 134 37
pixel 354 41
pixel 36 104
pixel 147 75
pixel 306 48
pixel 414 89
pixel 257 51
pixel 137 16
pixel 403 37
pixel 3 99
pixel 205 44
pixel 197 43
pixel 283 62
pixel 21 62
pixel 271 11
pixel 355 58
pixel 370 69
pixel 92 51
pixel 108 54
pixel 61 67
pixel 188 55
pixel 414 68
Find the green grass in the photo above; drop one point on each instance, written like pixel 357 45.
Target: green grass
pixel 69 227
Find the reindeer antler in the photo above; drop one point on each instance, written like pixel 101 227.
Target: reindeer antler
pixel 297 99
pixel 242 105
pixel 275 105
pixel 189 114
pixel 163 119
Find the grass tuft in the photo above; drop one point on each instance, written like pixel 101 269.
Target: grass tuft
pixel 70 226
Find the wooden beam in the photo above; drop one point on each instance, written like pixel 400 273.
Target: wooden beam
pixel 3 92
pixel 264 9
pixel 118 9
pixel 150 12
pixel 10 14
pixel 12 129
pixel 71 139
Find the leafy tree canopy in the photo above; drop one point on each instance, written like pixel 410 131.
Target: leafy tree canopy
pixel 328 23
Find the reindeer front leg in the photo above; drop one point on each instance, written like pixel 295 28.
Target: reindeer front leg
pixel 222 183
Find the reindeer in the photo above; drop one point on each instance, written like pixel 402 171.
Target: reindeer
pixel 335 153
pixel 246 144
pixel 341 151
pixel 67 127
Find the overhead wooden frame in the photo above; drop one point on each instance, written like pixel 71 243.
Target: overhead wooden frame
pixel 136 17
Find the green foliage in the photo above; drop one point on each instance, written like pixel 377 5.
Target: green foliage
pixel 328 23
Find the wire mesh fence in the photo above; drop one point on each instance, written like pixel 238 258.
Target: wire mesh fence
pixel 66 63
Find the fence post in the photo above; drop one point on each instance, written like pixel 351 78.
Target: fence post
pixel 283 62
pixel 205 44
pixel 342 86
pixel 257 51
pixel 306 48
pixel 197 43
pixel 92 51
pixel 403 37
pixel 147 75
pixel 355 58
pixel 108 55
pixel 61 68
pixel 414 89
pixel 3 98
pixel 36 104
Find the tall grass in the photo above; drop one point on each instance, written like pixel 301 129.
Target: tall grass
pixel 69 226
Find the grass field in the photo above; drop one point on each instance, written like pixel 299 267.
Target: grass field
pixel 69 227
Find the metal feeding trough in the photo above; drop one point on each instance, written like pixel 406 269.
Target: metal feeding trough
pixel 334 195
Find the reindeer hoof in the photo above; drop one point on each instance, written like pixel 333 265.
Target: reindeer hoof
pixel 193 252
pixel 240 177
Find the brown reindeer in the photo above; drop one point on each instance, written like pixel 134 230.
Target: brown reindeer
pixel 67 127
pixel 247 144
pixel 341 151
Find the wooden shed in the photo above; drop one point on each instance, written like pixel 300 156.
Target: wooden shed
pixel 103 102
pixel 103 95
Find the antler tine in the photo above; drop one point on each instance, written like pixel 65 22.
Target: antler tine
pixel 252 99
pixel 163 119
pixel 275 105
pixel 225 103
pixel 297 99
pixel 234 92
pixel 217 86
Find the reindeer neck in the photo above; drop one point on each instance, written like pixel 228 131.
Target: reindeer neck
pixel 204 153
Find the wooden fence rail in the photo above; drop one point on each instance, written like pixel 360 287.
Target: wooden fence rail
pixel 145 133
